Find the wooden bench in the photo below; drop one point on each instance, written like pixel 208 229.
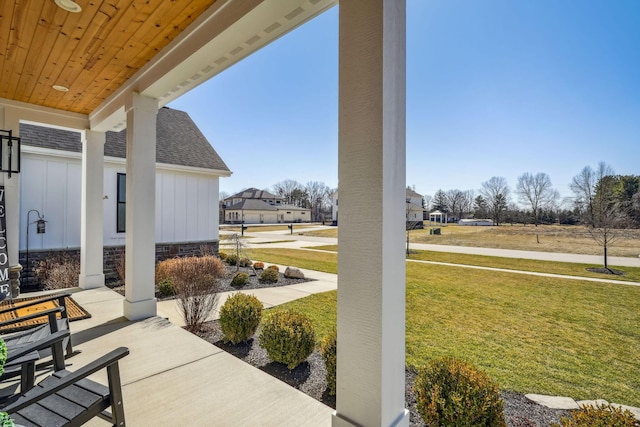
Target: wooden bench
pixel 70 399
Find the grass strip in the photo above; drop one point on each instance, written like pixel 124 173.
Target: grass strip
pixel 632 274
pixel 531 334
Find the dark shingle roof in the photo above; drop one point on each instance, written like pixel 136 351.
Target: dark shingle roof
pixel 179 141
pixel 254 193
pixel 252 205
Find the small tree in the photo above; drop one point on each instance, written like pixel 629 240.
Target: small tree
pixel 196 284
pixel 596 202
pixel 496 193
pixel 537 193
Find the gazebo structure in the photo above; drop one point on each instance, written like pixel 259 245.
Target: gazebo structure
pixel 95 66
pixel 438 217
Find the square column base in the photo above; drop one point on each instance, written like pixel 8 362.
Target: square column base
pixel 91 282
pixel 140 309
pixel 338 421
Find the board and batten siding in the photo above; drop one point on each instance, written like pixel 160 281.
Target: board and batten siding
pixel 186 202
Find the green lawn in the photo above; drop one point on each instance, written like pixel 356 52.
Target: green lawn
pixel 632 274
pixel 531 334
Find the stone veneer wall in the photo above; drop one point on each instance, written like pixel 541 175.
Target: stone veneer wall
pixel 112 256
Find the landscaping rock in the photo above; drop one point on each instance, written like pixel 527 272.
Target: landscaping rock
pixel 555 402
pixel 634 411
pixel 293 273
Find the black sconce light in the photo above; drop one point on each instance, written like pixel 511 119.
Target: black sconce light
pixel 40 226
pixel 40 229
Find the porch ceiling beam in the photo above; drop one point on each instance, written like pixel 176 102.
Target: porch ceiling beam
pixel 225 34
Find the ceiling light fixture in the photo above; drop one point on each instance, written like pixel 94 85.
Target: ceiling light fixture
pixel 69 5
pixel 60 88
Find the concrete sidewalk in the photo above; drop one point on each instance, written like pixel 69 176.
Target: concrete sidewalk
pixel 282 239
pixel 171 377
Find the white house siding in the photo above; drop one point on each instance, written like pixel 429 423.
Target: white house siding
pixel 52 186
pixel 186 202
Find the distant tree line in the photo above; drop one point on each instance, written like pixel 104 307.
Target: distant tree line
pixel 598 194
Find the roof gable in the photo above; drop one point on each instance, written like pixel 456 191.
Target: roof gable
pixel 254 193
pixel 178 141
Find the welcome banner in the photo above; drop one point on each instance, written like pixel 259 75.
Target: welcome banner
pixel 4 257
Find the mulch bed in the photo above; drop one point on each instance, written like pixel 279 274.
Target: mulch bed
pixel 225 282
pixel 309 377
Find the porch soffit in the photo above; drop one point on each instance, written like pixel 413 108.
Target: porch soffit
pixel 161 49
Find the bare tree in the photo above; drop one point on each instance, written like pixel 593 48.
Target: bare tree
pixel 537 193
pixel 455 201
pixel 495 193
pixel 595 199
pixel 427 202
pixel 318 193
pixel 286 188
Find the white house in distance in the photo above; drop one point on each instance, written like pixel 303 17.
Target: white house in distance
pixel 187 174
pixel 253 206
pixel 414 212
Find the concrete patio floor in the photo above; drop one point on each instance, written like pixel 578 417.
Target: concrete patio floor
pixel 171 377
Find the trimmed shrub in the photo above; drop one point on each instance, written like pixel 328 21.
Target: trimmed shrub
pixel 240 279
pixel 232 259
pixel 5 420
pixel 269 275
pixel 244 262
pixel 450 392
pixel 222 255
pixel 195 280
pixel 239 317
pixel 288 337
pixel 328 349
pixel 598 416
pixel 258 265
pixel 119 265
pixel 58 271
pixel 166 287
pixel 274 267
pixel 3 355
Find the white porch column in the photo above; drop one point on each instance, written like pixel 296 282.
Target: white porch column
pixel 371 170
pixel 92 206
pixel 140 246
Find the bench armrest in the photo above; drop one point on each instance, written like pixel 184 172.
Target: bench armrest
pixel 37 394
pixel 17 352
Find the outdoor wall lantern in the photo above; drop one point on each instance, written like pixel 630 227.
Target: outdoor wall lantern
pixel 40 228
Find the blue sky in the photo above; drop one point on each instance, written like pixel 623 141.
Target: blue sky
pixel 494 88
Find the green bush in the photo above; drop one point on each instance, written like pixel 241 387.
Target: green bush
pixel 288 337
pixel 166 287
pixel 240 279
pixel 452 393
pixel 3 355
pixel 598 416
pixel 222 255
pixel 5 420
pixel 244 262
pixel 239 317
pixel 269 275
pixel 328 349
pixel 231 259
pixel 274 267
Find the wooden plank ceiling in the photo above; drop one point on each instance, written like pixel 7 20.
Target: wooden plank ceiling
pixel 92 52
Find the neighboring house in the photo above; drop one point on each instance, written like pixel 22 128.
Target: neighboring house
pixel 187 174
pixel 334 207
pixel 253 206
pixel 415 213
pixel 253 194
